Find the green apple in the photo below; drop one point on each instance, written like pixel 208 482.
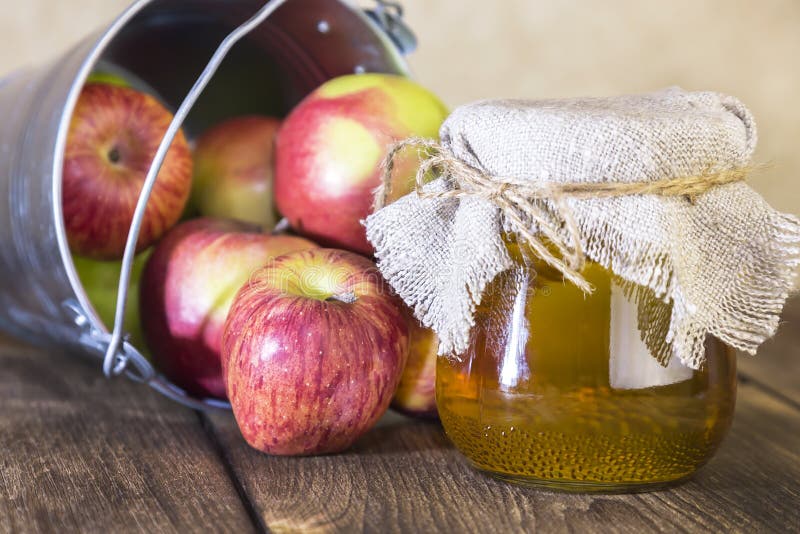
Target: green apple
pixel 108 78
pixel 100 280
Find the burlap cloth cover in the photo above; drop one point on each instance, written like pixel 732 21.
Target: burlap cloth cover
pixel 721 264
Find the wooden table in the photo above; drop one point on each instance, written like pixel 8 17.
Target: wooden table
pixel 80 452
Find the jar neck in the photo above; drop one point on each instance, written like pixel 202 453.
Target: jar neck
pixel 523 255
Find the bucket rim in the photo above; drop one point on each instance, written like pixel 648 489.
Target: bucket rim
pixel 90 61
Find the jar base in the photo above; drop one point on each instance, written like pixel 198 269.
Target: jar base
pixel 577 486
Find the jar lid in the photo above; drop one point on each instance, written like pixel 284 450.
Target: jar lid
pixel 667 134
pixel 649 186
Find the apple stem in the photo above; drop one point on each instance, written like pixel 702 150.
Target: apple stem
pixel 113 155
pixel 347 298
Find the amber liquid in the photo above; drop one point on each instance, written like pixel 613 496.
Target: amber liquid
pixel 539 399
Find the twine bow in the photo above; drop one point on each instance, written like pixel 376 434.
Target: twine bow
pixel 519 200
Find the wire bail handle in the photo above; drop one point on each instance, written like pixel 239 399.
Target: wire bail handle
pixel 116 357
pixel 388 14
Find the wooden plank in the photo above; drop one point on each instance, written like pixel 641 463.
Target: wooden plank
pixel 777 364
pixel 405 476
pixel 80 453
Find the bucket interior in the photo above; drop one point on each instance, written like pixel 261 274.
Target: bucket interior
pixel 305 42
pixel 166 44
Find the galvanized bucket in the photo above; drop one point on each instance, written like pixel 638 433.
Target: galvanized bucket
pixel 165 44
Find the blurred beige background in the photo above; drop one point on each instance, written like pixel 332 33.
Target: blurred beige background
pixel 473 49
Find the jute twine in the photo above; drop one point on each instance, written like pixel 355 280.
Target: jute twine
pixel 516 198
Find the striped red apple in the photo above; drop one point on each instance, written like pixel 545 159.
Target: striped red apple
pixel 329 149
pixel 113 136
pixel 312 352
pixel 187 288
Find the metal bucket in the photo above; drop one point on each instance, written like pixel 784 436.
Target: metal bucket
pixel 165 44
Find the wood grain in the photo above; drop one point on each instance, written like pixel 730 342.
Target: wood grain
pixel 83 453
pixel 404 476
pixel 80 453
pixel 776 367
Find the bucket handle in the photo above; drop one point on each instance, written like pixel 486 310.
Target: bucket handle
pixel 388 15
pixel 118 354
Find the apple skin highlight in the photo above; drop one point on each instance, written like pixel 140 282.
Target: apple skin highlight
pixel 187 288
pixel 112 140
pixel 307 373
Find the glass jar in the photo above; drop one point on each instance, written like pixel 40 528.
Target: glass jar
pixel 557 389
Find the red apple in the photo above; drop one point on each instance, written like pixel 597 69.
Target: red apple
pixel 187 288
pixel 113 137
pixel 330 147
pixel 312 352
pixel 416 394
pixel 233 170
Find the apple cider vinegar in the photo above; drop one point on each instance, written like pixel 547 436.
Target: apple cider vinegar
pixel 557 389
pixel 610 376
